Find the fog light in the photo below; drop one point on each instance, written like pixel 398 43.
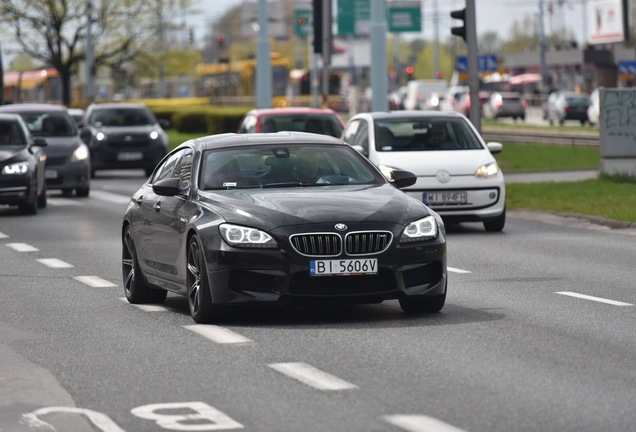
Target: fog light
pixel 493 195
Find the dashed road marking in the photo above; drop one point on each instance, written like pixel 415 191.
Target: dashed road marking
pixel 94 281
pixel 110 197
pixel 22 247
pixel 596 299
pixel 456 270
pixel 62 202
pixel 421 423
pixel 146 307
pixel 313 377
pixel 54 263
pixel 3 236
pixel 218 334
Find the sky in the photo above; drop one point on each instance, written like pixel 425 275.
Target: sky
pixel 492 15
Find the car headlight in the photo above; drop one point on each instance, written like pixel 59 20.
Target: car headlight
pixel 241 236
pixel 423 229
pixel 154 135
pixel 490 170
pixel 80 153
pixel 17 168
pixel 100 136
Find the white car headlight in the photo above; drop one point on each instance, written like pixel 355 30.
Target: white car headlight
pixel 423 229
pixel 80 153
pixel 100 136
pixel 240 236
pixel 17 168
pixel 490 170
pixel 154 135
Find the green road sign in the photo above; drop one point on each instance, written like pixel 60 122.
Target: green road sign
pixel 354 17
pixel 405 18
pixel 302 22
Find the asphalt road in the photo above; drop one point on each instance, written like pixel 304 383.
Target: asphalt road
pixel 537 335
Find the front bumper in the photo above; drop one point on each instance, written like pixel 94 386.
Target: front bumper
pixel 120 155
pixel 282 275
pixel 63 174
pixel 17 189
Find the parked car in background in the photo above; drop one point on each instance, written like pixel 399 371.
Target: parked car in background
pixel 567 105
pixel 457 175
pixel 453 94
pixel 123 136
pixel 318 224
pixel 78 115
pixel 463 102
pixel 418 91
pixel 323 121
pixel 594 110
pixel 434 101
pixel 505 104
pixel 22 165
pixel 68 162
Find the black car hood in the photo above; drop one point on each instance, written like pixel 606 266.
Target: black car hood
pixel 121 130
pixel 6 155
pixel 268 208
pixel 61 146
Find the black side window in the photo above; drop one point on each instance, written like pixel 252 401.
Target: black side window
pixel 168 168
pixel 362 138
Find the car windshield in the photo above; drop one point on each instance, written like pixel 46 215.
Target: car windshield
pixel 50 123
pixel 116 117
pixel 11 135
pixel 315 123
pixel 424 134
pixel 284 166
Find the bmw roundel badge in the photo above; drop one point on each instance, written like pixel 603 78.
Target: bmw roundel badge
pixel 340 227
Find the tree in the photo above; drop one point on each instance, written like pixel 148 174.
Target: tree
pixel 54 31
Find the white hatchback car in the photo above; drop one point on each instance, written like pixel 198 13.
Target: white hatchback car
pixel 457 175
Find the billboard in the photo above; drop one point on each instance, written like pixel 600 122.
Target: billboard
pixel 605 21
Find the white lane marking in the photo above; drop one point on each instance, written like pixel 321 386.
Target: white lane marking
pixel 94 281
pixel 420 423
pixel 99 420
pixel 146 307
pixel 3 236
pixel 597 299
pixel 456 270
pixel 110 197
pixel 22 247
pixel 179 416
pixel 313 377
pixel 61 202
pixel 54 263
pixel 218 334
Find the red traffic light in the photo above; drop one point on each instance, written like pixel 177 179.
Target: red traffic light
pixel 410 69
pixel 302 21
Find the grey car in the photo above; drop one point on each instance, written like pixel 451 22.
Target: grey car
pixel 67 157
pixel 505 104
pixel 123 136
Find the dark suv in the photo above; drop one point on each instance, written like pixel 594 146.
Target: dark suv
pixel 123 136
pixel 67 158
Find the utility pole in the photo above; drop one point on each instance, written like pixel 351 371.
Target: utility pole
pixel 436 30
pixel 263 60
pixel 90 62
pixel 544 75
pixel 379 76
pixel 326 50
pixel 1 78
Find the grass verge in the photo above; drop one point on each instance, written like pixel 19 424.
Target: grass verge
pixel 546 157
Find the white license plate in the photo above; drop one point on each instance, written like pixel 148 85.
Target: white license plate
pixel 50 174
pixel 130 156
pixel 346 267
pixel 446 198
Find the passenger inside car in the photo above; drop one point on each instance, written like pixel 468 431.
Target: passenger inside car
pixel 439 138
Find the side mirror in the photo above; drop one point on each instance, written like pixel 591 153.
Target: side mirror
pixel 494 147
pixel 85 135
pixel 403 179
pixel 40 142
pixel 167 187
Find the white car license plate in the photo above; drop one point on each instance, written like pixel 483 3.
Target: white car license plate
pixel 446 198
pixel 130 156
pixel 346 267
pixel 50 174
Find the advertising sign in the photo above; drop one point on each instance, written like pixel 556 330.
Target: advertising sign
pixel 605 21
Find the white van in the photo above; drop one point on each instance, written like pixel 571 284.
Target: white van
pixel 418 91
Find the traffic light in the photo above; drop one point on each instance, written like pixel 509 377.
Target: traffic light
pixel 459 31
pixel 220 42
pixel 317 23
pixel 409 72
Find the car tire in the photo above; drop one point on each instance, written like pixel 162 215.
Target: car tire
pixel 42 197
pixel 423 304
pixel 82 192
pixel 202 309
pixel 135 287
pixel 497 224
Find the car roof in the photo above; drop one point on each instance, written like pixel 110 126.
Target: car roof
pixel 32 107
pixel 406 114
pixel 278 138
pixel 291 110
pixel 10 116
